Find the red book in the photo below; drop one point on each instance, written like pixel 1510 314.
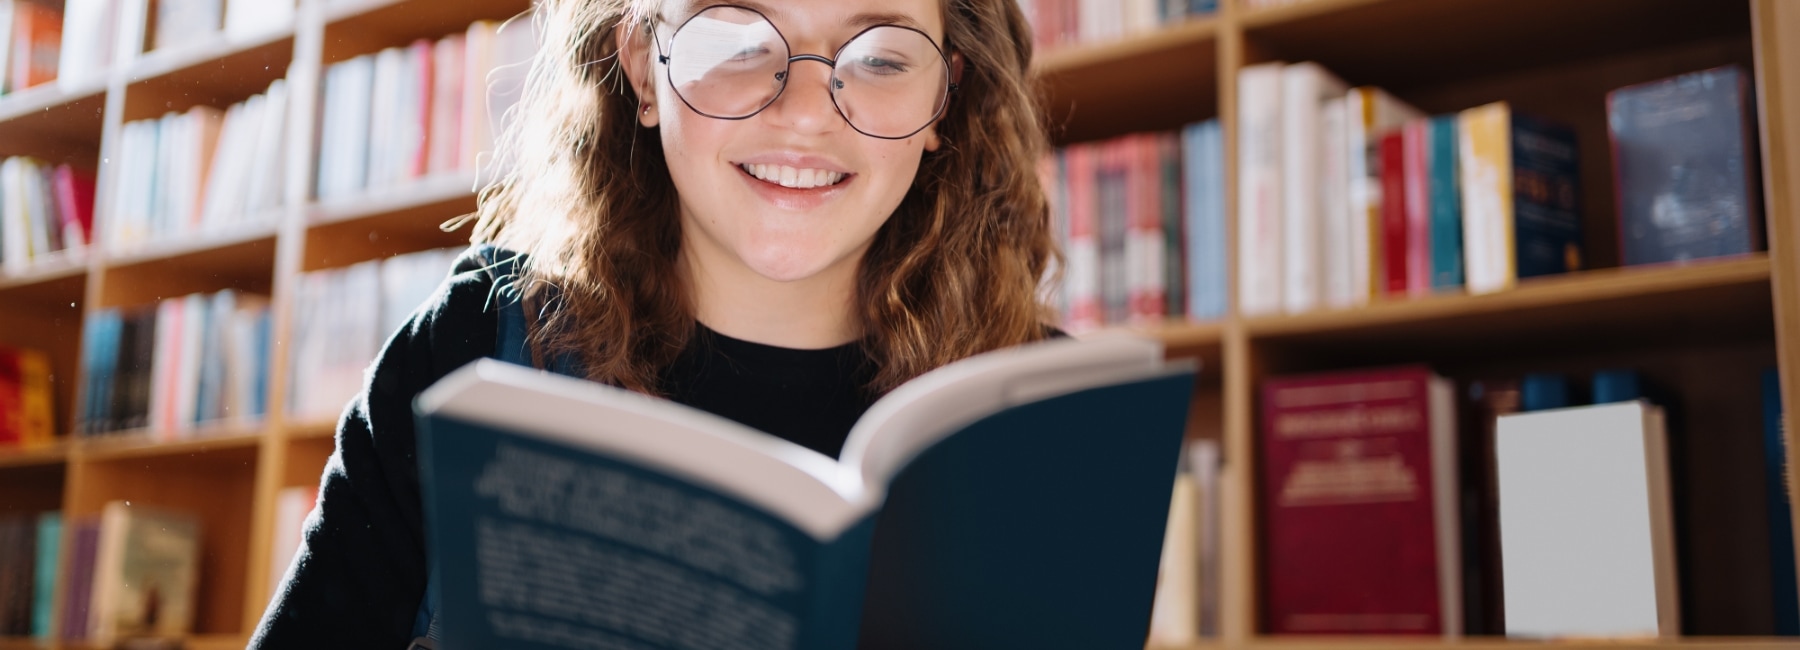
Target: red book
pixel 12 399
pixel 1415 140
pixel 1359 504
pixel 1394 245
pixel 75 200
pixel 423 76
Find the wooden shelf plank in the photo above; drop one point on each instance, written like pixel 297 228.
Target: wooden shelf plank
pixel 444 189
pixel 138 445
pixel 1387 42
pixel 315 430
pixel 194 247
pixel 1734 291
pixel 207 58
pixel 1096 91
pixel 47 97
pixel 354 27
pixel 53 454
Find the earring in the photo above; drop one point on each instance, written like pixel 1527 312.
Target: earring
pixel 646 109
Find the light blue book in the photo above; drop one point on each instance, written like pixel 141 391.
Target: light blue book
pixel 49 542
pixel 1012 499
pixel 1205 212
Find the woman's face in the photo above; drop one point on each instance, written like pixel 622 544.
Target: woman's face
pixel 793 192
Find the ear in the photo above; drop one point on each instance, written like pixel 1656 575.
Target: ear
pixel 635 51
pixel 932 141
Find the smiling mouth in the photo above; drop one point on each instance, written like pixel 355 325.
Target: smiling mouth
pixel 793 177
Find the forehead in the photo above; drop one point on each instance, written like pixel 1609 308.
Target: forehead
pixel 829 17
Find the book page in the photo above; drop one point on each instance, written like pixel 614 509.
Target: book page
pixel 934 405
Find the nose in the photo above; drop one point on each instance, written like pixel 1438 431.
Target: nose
pixel 805 104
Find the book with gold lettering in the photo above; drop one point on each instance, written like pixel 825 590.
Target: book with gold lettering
pixel 1359 502
pixel 1016 498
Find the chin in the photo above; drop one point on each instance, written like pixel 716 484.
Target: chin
pixel 789 266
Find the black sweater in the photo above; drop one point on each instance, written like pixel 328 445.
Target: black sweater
pixel 361 570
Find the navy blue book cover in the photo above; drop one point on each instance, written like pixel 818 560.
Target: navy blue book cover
pixel 1685 171
pixel 1781 531
pixel 1546 197
pixel 1036 525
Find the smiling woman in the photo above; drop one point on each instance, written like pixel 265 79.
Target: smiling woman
pixel 775 211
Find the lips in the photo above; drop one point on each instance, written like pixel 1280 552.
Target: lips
pixel 801 178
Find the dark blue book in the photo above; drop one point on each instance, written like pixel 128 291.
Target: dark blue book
pixel 1013 499
pixel 1685 167
pixel 1781 527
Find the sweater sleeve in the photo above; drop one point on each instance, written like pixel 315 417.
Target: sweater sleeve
pixel 359 574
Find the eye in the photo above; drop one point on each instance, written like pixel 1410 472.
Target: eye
pixel 749 53
pixel 877 65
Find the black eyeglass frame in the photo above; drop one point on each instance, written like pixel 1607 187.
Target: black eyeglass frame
pixel 835 83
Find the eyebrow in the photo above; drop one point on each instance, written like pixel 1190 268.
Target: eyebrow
pixel 859 21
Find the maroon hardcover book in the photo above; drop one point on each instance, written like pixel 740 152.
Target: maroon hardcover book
pixel 1359 504
pixel 1394 244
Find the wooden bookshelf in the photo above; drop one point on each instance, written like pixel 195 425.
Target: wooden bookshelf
pixel 1686 325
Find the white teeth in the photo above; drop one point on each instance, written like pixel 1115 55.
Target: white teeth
pixel 792 177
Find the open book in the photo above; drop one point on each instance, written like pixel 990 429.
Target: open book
pixel 1012 499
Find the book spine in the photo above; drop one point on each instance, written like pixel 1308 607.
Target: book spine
pixel 1259 190
pixel 1785 594
pixel 1415 163
pixel 1485 153
pixel 49 546
pixel 1446 207
pixel 1547 203
pixel 1394 235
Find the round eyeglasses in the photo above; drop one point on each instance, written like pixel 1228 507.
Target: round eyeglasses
pixel 729 62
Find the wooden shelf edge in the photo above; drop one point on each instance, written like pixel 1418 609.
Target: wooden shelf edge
pixel 1193 30
pixel 1561 290
pixel 160 63
pixel 55 453
pixel 139 444
pixel 58 266
pixel 1303 9
pixel 48 95
pixel 159 250
pixel 312 430
pixel 412 194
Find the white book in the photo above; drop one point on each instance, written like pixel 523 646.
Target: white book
pixel 1260 189
pixel 194 341
pixel 357 140
pixel 213 215
pixel 1586 532
pixel 268 162
pixel 15 238
pixel 1306 88
pixel 384 108
pixel 1334 205
pixel 88 38
pixel 163 364
pixel 1175 610
pixel 186 23
pixel 40 211
pixel 478 57
pixel 7 11
pixel 1372 113
pixel 248 19
pixel 446 104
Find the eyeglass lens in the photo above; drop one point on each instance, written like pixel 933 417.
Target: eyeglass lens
pixel 730 62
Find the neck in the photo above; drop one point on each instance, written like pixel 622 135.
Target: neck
pixel 814 313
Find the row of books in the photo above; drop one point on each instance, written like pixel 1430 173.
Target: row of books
pixel 343 318
pixel 178 367
pixel 46 213
pixel 1186 606
pixel 74 42
pixel 426 109
pixel 28 555
pixel 1058 23
pixel 132 573
pixel 26 404
pixel 1349 195
pixel 200 172
pixel 1141 219
pixel 1396 501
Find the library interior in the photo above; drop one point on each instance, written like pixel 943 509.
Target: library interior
pixel 1481 291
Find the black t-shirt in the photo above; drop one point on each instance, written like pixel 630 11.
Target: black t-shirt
pixel 361 570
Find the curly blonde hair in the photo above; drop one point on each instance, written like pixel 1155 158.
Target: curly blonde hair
pixel 954 272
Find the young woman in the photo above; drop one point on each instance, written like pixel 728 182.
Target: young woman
pixel 774 210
